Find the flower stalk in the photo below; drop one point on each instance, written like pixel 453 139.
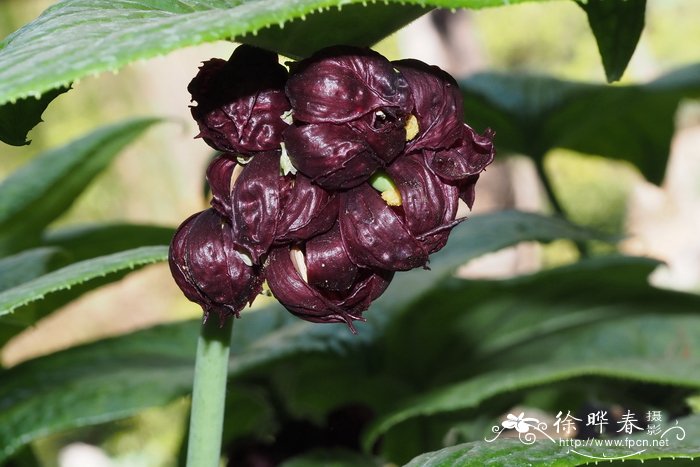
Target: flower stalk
pixel 209 394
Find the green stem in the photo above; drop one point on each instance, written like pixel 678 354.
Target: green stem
pixel 554 201
pixel 209 394
pixel 548 188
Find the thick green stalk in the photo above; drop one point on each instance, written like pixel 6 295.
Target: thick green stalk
pixel 209 394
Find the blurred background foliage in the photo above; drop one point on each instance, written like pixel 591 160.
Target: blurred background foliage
pixel 153 180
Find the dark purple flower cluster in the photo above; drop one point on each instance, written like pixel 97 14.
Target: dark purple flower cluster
pixel 332 177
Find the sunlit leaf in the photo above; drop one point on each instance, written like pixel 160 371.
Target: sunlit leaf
pixel 103 35
pixel 78 273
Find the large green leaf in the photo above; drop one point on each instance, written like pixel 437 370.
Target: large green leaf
pixel 78 273
pixel 600 315
pixel 73 244
pixel 62 247
pixel 533 114
pixel 91 384
pixel 617 27
pixel 343 358
pixel 283 346
pixel 36 194
pixel 544 452
pixel 19 268
pixel 102 35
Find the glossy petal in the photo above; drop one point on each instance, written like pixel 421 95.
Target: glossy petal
pixel 256 204
pixel 429 205
pixel 340 84
pixel 375 236
pixel 333 156
pixel 470 157
pixel 368 286
pixel 328 265
pixel 385 132
pixel 438 105
pixel 467 190
pixel 306 210
pixel 219 175
pixel 178 269
pixel 208 269
pixel 240 102
pixel 287 285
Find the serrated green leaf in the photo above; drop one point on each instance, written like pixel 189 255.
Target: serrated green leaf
pixel 20 268
pixel 28 265
pixel 64 246
pixel 78 273
pixel 43 189
pixel 601 316
pixel 103 35
pixel 509 452
pixel 617 27
pixel 534 114
pixel 17 119
pixel 91 384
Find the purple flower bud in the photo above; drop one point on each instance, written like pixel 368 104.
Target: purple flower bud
pixel 288 281
pixel 375 236
pixel 368 286
pixel 429 205
pixel 384 131
pixel 240 102
pixel 219 177
pixel 340 84
pixel 306 210
pixel 328 265
pixel 256 204
pixel 438 105
pixel 291 289
pixel 333 156
pixel 208 269
pixel 470 157
pixel 467 190
pixel 270 208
